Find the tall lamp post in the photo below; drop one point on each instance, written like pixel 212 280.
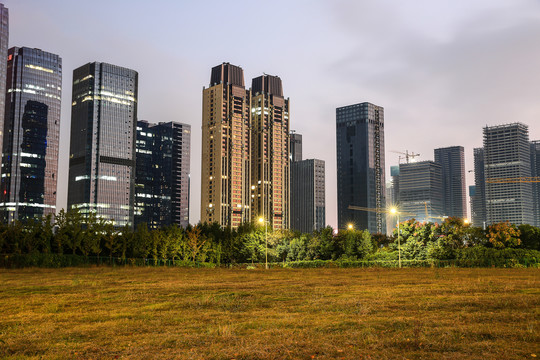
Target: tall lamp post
pixel 395 212
pixel 261 220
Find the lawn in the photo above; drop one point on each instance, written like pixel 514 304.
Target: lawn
pixel 168 313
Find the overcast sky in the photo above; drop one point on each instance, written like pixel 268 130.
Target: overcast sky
pixel 441 69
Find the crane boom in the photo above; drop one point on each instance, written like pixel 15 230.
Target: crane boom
pixel 534 179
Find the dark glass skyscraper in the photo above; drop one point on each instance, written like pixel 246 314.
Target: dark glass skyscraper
pixel 452 161
pixel 31 134
pixel 478 199
pixel 360 166
pixel 162 174
pixel 535 171
pixel 296 146
pixel 102 150
pixel 4 38
pixel 308 205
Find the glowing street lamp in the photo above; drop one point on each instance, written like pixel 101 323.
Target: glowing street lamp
pixel 350 226
pixel 261 220
pixel 394 211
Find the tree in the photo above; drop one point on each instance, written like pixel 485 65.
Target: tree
pixel 502 235
pixel 530 236
pixel 195 242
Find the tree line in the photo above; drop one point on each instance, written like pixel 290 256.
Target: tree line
pixel 71 233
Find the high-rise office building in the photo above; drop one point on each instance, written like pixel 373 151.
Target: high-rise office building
pixel 421 190
pixel 102 149
pixel 4 38
pixel 360 166
pixel 308 205
pixel 162 174
pixel 394 197
pixel 270 152
pixel 31 134
pixel 507 155
pixel 535 171
pixel 452 161
pixel 478 196
pixel 226 148
pixel 296 146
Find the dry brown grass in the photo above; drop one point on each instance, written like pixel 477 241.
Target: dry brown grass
pixel 169 313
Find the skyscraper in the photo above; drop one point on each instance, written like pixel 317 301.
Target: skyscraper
pixel 102 149
pixel 452 161
pixel 4 38
pixel 226 148
pixel 270 151
pixel 478 197
pixel 31 134
pixel 162 174
pixel 296 146
pixel 535 171
pixel 360 166
pixel 421 190
pixel 308 205
pixel 507 155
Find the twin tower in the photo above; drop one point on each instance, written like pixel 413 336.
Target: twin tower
pixel 245 150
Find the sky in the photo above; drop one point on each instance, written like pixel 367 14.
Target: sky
pixel 441 69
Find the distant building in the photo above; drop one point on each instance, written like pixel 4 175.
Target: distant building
pixel 102 148
pixel 162 174
pixel 360 166
pixel 421 190
pixel 4 38
pixel 308 205
pixel 270 152
pixel 452 161
pixel 226 148
pixel 535 171
pixel 31 133
pixel 507 155
pixel 394 172
pixel 296 146
pixel 478 198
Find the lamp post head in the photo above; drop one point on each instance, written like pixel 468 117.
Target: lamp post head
pixel 393 210
pixel 350 226
pixel 261 219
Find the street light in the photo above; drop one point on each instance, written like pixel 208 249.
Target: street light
pixel 350 226
pixel 261 220
pixel 395 212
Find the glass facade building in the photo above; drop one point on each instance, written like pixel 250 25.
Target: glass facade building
pixel 308 205
pixel 296 146
pixel 421 190
pixel 507 155
pixel 31 134
pixel 452 161
pixel 4 38
pixel 535 171
pixel 478 198
pixel 162 174
pixel 102 148
pixel 360 166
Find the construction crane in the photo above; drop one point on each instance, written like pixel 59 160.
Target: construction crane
pixel 534 179
pixel 432 217
pixel 408 156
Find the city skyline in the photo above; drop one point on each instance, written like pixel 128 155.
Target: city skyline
pixel 474 68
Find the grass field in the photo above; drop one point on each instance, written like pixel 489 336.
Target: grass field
pixel 166 313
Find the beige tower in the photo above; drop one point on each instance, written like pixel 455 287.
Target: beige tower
pixel 270 152
pixel 226 144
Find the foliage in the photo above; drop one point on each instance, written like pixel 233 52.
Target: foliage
pixel 502 235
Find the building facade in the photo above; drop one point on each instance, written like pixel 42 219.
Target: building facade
pixel 507 155
pixel 4 39
pixel 308 204
pixel 31 134
pixel 102 147
pixel 452 161
pixel 360 166
pixel 296 146
pixel 478 198
pixel 226 148
pixel 421 190
pixel 270 152
pixel 162 174
pixel 535 171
